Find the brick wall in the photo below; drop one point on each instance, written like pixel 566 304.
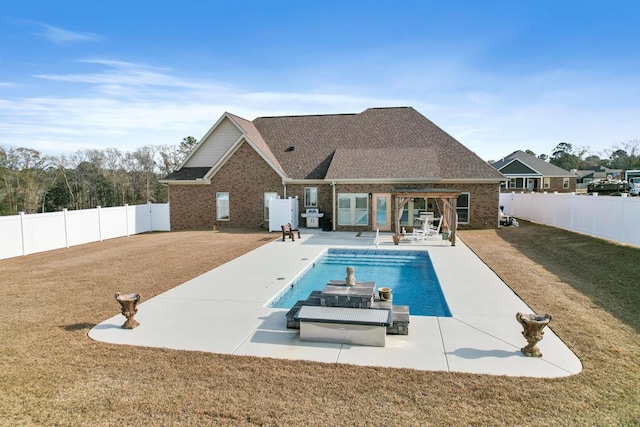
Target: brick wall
pixel 325 199
pixel 246 177
pixel 555 184
pixel 191 206
pixel 484 205
pixel 484 201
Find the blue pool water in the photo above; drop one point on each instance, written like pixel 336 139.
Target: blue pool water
pixel 410 274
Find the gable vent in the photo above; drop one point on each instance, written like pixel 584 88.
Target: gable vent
pixel 289 149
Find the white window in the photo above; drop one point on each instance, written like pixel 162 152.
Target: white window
pixel 547 182
pixel 222 206
pixel 310 197
pixel 353 209
pixel 565 182
pixel 462 208
pixel 267 197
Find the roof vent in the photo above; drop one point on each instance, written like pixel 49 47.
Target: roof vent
pixel 289 148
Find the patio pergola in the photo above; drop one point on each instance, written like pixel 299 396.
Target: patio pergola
pixel 448 198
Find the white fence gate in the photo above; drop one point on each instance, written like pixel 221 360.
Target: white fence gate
pixel 607 217
pixel 27 234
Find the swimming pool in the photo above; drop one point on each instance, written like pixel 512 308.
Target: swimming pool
pixel 409 273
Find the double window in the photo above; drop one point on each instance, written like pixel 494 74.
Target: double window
pixel 353 209
pixel 517 183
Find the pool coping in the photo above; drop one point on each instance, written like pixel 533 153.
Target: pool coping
pixel 224 311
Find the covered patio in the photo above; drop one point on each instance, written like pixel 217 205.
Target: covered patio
pixel 446 203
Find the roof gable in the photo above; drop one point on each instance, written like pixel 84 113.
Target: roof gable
pixel 219 143
pixel 518 168
pixel 214 144
pixel 540 166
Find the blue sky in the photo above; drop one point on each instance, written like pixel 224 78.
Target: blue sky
pixel 498 76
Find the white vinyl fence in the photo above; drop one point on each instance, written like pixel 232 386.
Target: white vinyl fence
pixel 27 234
pixel 607 217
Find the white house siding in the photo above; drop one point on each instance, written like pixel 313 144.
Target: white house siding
pixel 214 147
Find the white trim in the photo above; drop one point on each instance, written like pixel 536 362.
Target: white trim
pixel 185 181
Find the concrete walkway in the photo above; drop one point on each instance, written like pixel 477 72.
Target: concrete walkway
pixel 224 311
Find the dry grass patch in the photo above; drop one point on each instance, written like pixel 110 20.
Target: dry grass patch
pixel 53 374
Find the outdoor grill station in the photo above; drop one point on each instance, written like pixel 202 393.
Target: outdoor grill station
pixel 313 217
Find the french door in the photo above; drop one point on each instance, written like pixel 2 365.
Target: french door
pixel 381 211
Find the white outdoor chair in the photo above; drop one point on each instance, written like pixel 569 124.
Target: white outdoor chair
pixel 427 232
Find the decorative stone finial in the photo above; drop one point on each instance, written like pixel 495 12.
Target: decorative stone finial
pixel 350 280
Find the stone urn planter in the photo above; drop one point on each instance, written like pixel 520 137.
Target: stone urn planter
pixel 384 293
pixel 533 325
pixel 129 305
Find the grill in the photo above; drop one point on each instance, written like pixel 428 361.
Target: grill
pixel 313 217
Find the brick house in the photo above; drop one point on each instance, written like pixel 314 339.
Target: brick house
pixel 526 172
pixel 379 169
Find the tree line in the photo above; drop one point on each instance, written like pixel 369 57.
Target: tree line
pixel 33 182
pixel 623 156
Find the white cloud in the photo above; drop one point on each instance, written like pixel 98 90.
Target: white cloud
pixel 61 36
pixel 127 105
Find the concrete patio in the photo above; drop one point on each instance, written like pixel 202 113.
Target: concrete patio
pixel 225 311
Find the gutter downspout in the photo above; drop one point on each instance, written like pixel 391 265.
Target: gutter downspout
pixel 284 190
pixel 333 223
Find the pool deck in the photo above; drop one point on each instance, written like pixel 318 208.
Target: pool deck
pixel 223 311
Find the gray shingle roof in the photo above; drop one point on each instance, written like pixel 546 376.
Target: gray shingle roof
pixel 539 165
pixel 188 174
pixel 377 143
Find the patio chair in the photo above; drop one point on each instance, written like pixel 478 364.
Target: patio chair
pixel 289 231
pixel 428 231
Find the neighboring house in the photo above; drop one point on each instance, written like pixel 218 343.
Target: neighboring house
pixel 379 169
pixel 598 173
pixel 526 172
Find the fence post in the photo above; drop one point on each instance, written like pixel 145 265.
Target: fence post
pixel 66 229
pixel 126 217
pixel 513 204
pixel 593 217
pixel 150 219
pixel 99 223
pixel 22 232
